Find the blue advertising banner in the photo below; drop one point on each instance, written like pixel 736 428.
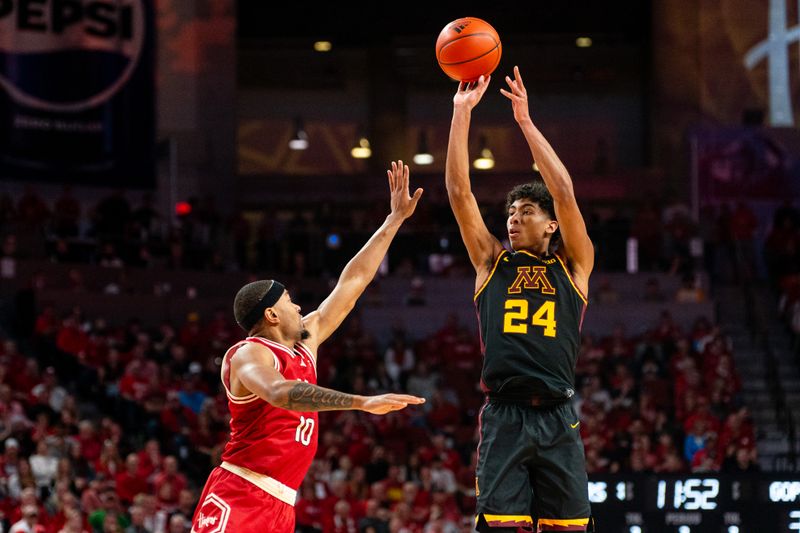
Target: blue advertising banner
pixel 77 91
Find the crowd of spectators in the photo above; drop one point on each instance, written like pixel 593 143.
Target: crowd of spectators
pixel 313 239
pixel 69 467
pixel 116 428
pixel 668 401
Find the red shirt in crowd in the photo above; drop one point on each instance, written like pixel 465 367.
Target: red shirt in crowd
pixel 176 482
pixel 129 486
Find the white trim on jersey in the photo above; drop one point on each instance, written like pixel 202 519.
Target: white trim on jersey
pixel 226 360
pixel 273 344
pixel 233 399
pixel 269 485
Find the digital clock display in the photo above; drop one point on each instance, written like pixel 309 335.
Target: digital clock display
pixel 696 503
pixel 689 494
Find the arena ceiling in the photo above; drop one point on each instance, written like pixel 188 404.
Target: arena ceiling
pixel 363 24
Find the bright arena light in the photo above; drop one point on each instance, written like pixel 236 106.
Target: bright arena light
pixel 423 159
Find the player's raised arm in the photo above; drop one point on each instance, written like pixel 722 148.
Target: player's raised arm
pixel 481 245
pixel 577 245
pixel 254 366
pixel 362 267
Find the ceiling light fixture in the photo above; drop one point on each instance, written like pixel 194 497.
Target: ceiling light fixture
pixel 485 159
pixel 423 155
pixel 299 140
pixel 362 149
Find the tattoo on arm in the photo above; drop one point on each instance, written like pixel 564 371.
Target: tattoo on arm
pixel 307 397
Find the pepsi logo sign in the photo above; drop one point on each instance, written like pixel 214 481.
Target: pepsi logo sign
pixel 68 55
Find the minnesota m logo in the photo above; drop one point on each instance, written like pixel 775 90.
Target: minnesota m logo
pixel 531 278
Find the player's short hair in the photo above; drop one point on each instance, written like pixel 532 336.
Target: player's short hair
pixel 246 301
pixel 535 191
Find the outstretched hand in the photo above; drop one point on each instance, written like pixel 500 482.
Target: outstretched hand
pixel 518 96
pixel 385 403
pixel 401 203
pixel 469 94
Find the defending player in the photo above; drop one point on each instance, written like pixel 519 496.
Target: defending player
pixel 270 382
pixel 531 465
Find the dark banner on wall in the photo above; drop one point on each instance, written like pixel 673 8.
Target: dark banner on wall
pixel 746 164
pixel 77 91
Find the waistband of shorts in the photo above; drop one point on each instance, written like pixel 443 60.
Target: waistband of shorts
pixel 538 402
pixel 269 485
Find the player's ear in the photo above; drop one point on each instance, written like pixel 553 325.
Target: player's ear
pixel 271 317
pixel 552 227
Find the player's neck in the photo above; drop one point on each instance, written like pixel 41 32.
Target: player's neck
pixel 540 250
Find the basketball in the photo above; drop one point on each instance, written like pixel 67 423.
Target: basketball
pixel 468 48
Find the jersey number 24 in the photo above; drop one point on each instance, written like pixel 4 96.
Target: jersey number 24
pixel 515 319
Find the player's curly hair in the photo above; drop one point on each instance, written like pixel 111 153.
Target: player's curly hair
pixel 535 191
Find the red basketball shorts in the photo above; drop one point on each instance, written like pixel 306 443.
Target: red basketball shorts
pixel 232 504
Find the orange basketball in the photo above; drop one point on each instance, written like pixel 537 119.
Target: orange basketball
pixel 468 48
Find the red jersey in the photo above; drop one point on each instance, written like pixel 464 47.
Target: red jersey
pixel 266 439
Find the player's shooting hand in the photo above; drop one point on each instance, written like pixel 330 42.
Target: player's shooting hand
pixel 518 96
pixel 385 403
pixel 402 204
pixel 469 94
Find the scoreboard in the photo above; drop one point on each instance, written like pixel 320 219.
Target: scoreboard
pixel 696 503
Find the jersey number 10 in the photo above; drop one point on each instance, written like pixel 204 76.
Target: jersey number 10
pixel 304 431
pixel 516 317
